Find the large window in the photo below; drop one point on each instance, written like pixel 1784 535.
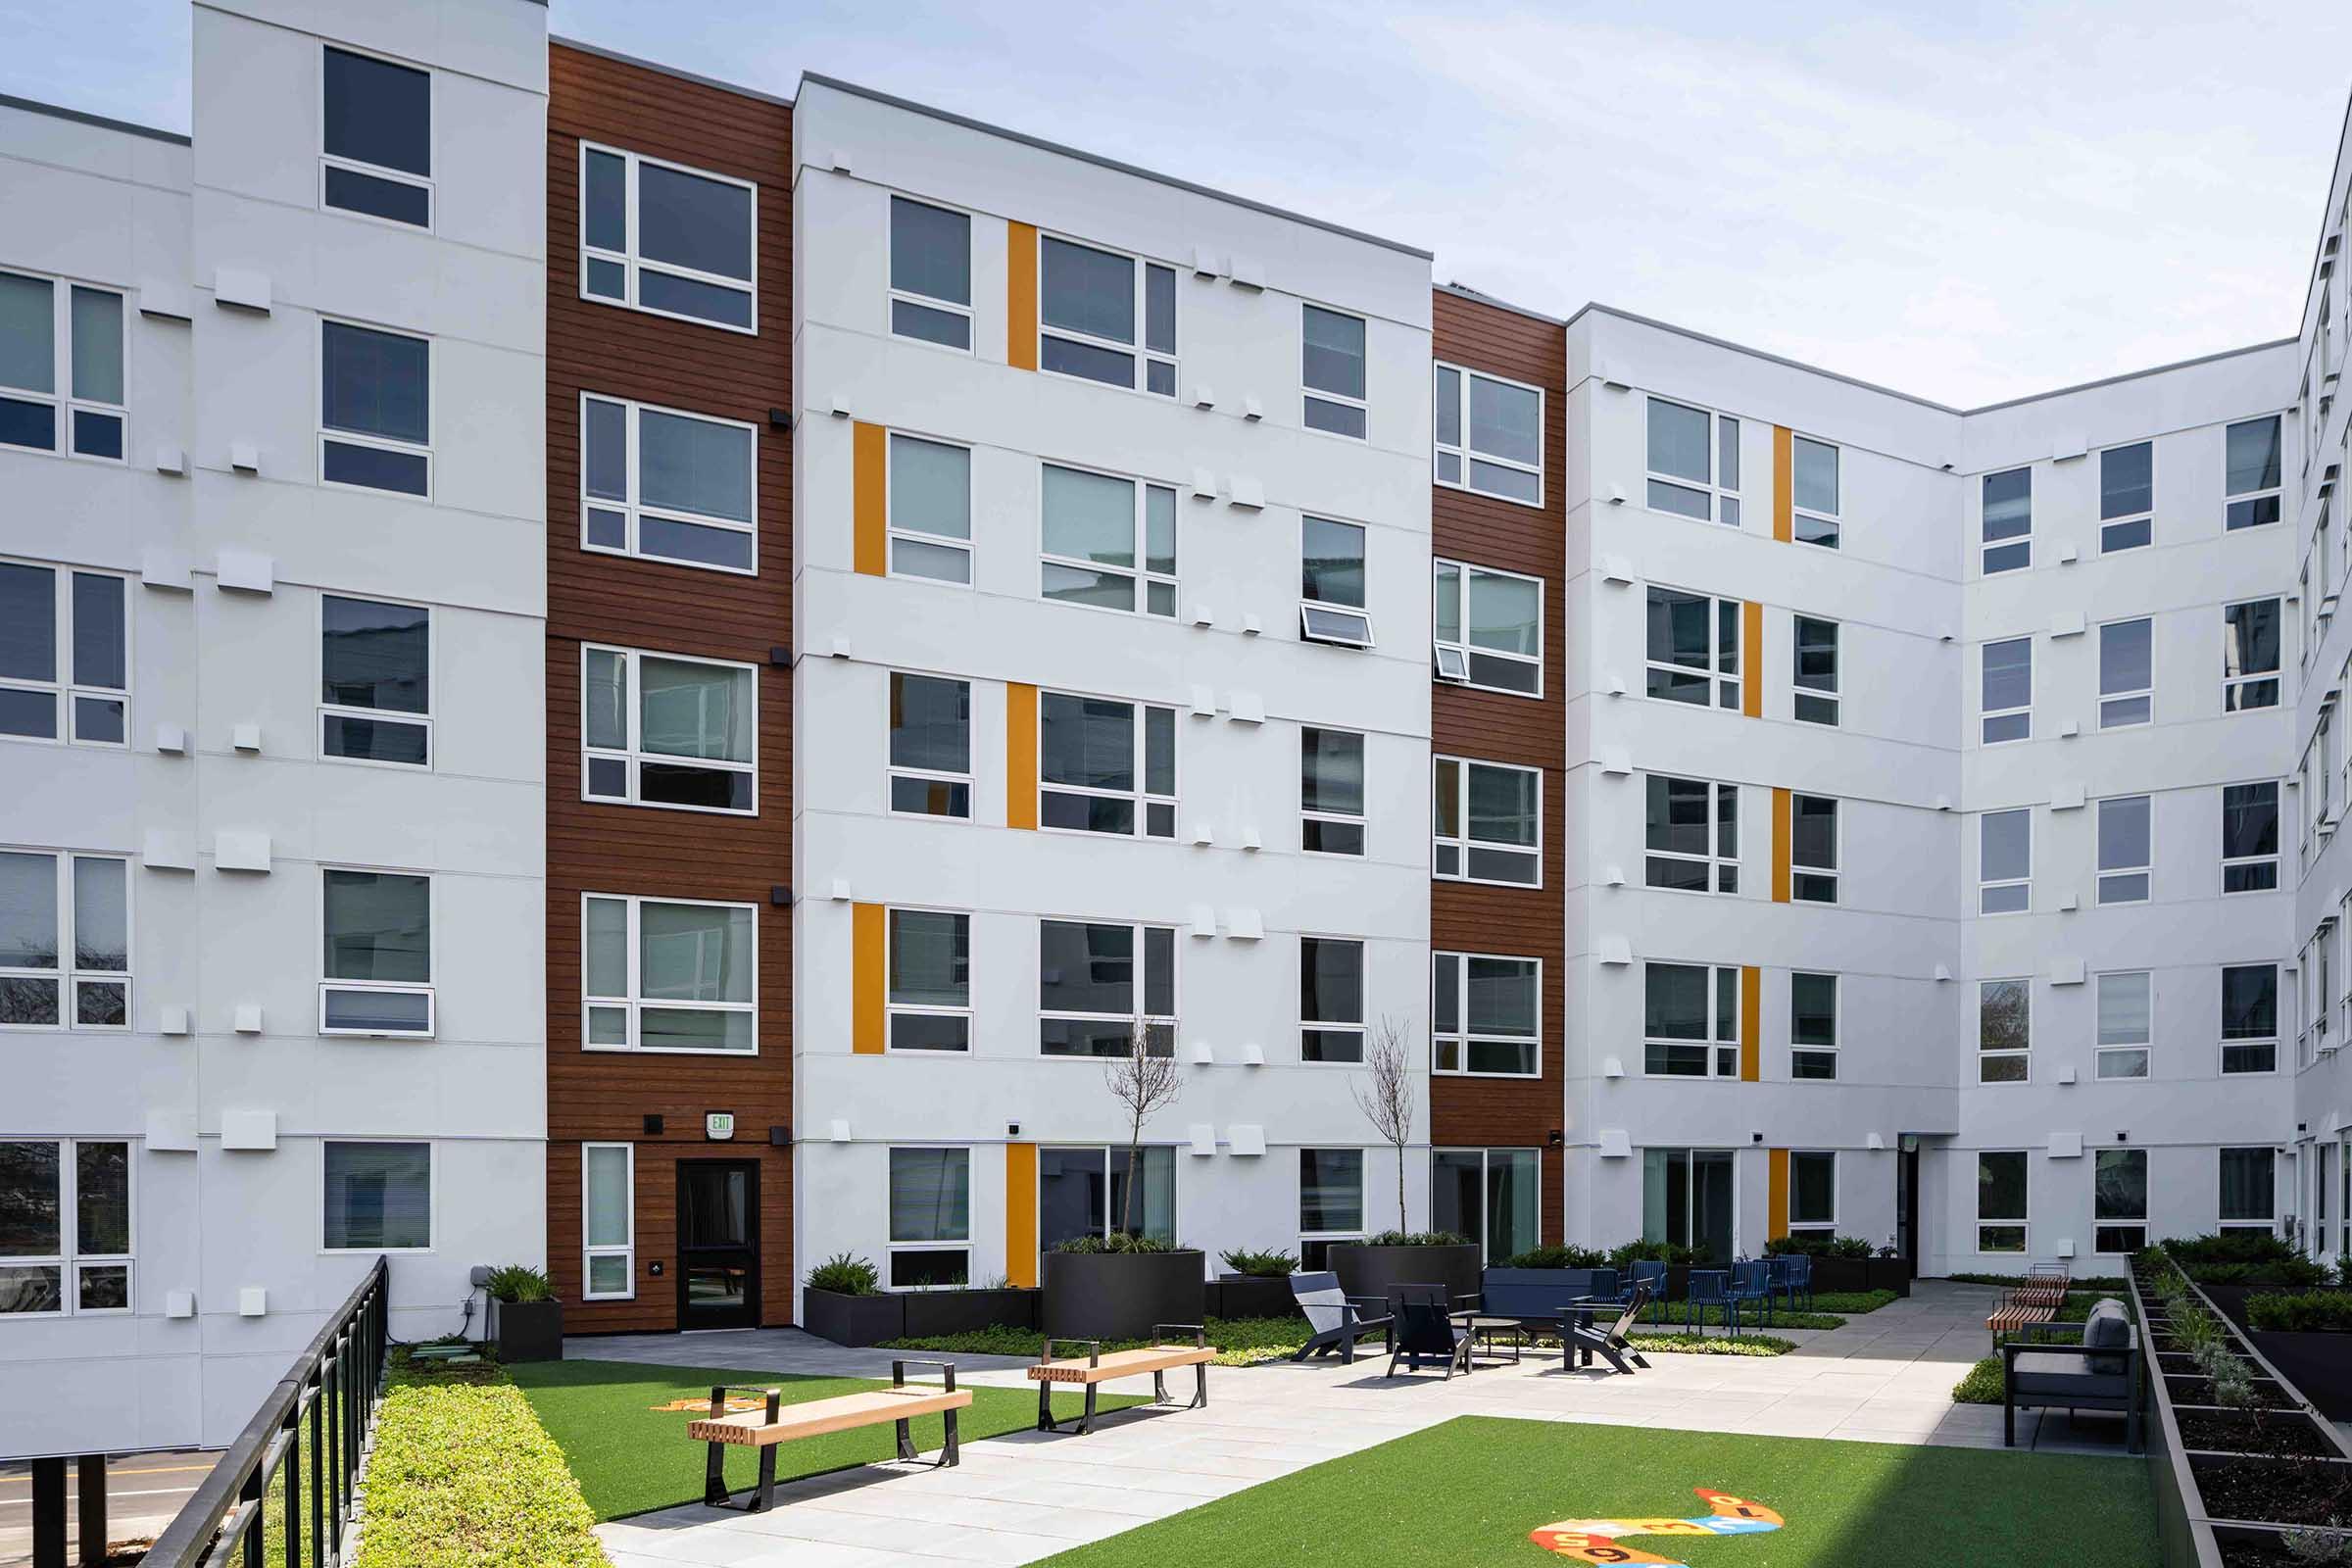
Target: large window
pixel 669 974
pixel 2125 1012
pixel 61 367
pixel 375 663
pixel 668 486
pixel 65 940
pixel 2250 837
pixel 1693 841
pixel 609 1221
pixel 1816 492
pixel 2250 643
pixel 1693 647
pixel 1693 462
pixel 1494 1195
pixel 380 1196
pixel 930 982
pixel 2250 1018
pixel 1098 984
pixel 1331 1000
pixel 375 408
pixel 2126 673
pixel 660 729
pixel 1330 1201
pixel 65 654
pixel 2006 698
pixel 1490 435
pixel 2005 861
pixel 1331 583
pixel 2004 1031
pixel 1108 542
pixel 1487 628
pixel 1690 1020
pixel 1089 303
pixel 930 274
pixel 1331 370
pixel 1812 1027
pixel 2252 480
pixel 1815 676
pixel 65 1227
pixel 1107 767
pixel 2001 1202
pixel 930 1218
pixel 1330 792
pixel 2127 497
pixel 1813 1193
pixel 930 499
pixel 1487 823
pixel 1813 849
pixel 1084 1192
pixel 669 239
pixel 1688 1201
pixel 930 745
pixel 2125 849
pixel 2119 1200
pixel 1486 1015
pixel 2008 521
pixel 378 974
pixel 376 139
pixel 2250 1192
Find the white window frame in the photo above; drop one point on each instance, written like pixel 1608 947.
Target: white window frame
pixel 2328 1004
pixel 1140 578
pixel 2131 694
pixel 2023 1053
pixel 1800 513
pixel 2104 873
pixel 893 770
pixel 634 508
pixel 2025 882
pixel 2278 826
pixel 2119 1222
pixel 893 1246
pixel 2267 1224
pixel 632 263
pixel 1718 860
pixel 1462 1037
pixel 432 1196
pixel 635 1002
pixel 2118 1053
pixel 61 396
pixel 380 715
pixel 1141 795
pixel 2274 493
pixel 328 434
pixel 1468 451
pixel 1142 987
pixel 632 753
pixel 1800 692
pixel 1811 1226
pixel 2126 519
pixel 1140 381
pixel 1462 843
pixel 1723 433
pixel 1722 1044
pixel 1363 1202
pixel 1832 1052
pixel 1311 393
pixel 69 693
pixel 391 177
pixel 625 1251
pixel 1357 1026
pixel 1721 683
pixel 2234 685
pixel 921 1010
pixel 1360 820
pixel 2023 1222
pixel 70 1260
pixel 1799 870
pixel 1986 714
pixel 1462 652
pixel 1342 625
pixel 893 532
pixel 1987 544
pixel 67 974
pixel 930 302
pixel 427 988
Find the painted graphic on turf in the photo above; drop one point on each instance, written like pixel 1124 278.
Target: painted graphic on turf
pixel 1597 1540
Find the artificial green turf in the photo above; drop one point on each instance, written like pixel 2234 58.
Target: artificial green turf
pixel 1466 1494
pixel 630 1457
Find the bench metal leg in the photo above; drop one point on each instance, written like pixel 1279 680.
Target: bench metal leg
pixel 714 1464
pixel 952 1454
pixel 766 1496
pixel 1086 1422
pixel 905 1431
pixel 1044 1407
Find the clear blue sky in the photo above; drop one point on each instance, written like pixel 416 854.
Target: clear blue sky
pixel 1966 200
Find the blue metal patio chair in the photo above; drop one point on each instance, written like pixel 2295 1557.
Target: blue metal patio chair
pixel 1638 1273
pixel 1801 1280
pixel 1752 1288
pixel 1708 1287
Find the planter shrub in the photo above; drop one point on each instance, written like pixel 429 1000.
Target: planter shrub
pixel 1370 1267
pixel 2301 1311
pixel 528 1331
pixel 856 1320
pixel 1240 1296
pixel 931 1314
pixel 1121 1294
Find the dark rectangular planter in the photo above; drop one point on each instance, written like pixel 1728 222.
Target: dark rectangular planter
pixel 1889 1274
pixel 528 1331
pixel 933 1313
pixel 1251 1296
pixel 853 1319
pixel 1121 1296
pixel 1541 1292
pixel 1841 1274
pixel 2318 1364
pixel 1365 1270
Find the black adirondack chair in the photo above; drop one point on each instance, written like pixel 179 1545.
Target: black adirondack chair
pixel 1608 1343
pixel 1334 1316
pixel 1426 1326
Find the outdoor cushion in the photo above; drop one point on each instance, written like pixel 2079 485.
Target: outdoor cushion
pixel 2055 1375
pixel 2108 1328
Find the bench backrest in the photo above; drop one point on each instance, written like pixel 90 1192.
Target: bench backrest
pixel 1422 1320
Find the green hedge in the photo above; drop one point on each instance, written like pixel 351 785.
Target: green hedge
pixel 2302 1312
pixel 1981 1385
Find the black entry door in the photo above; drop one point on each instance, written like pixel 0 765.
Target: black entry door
pixel 1906 1208
pixel 719 1244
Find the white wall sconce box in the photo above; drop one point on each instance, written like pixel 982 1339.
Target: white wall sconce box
pixel 1201 1136
pixel 164 851
pixel 245 737
pixel 253 1300
pixel 254 1130
pixel 1247 1139
pixel 241 289
pixel 1615 1143
pixel 170 1132
pixel 172 1018
pixel 248 1019
pixel 241 851
pixel 245 571
pixel 179 1303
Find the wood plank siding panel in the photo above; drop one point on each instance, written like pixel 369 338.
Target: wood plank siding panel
pixel 601 1096
pixel 1519 923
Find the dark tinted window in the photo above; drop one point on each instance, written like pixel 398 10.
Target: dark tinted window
pixel 379 113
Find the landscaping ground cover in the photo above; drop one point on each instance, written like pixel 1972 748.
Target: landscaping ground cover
pixel 1248 1341
pixel 1467 1493
pixel 631 1455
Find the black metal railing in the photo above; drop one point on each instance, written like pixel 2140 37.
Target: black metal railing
pixel 329 1398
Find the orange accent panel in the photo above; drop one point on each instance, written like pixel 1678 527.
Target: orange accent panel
pixel 1751 1023
pixel 1782 849
pixel 869 939
pixel 1021 296
pixel 1021 1214
pixel 869 498
pixel 1784 483
pixel 1776 1200
pixel 1021 756
pixel 1751 659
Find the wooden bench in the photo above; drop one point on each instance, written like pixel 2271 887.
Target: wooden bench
pixel 763 1428
pixel 2037 1300
pixel 1097 1368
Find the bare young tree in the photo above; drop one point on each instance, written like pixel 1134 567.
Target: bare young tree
pixel 1143 1082
pixel 1388 1093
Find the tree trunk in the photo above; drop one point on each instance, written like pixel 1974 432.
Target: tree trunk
pixel 1400 1221
pixel 1135 1150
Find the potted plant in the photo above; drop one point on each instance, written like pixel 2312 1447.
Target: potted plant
pixel 843 1301
pixel 526 1321
pixel 1254 1284
pixel 1386 1095
pixel 2282 1301
pixel 968 1308
pixel 1117 1287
